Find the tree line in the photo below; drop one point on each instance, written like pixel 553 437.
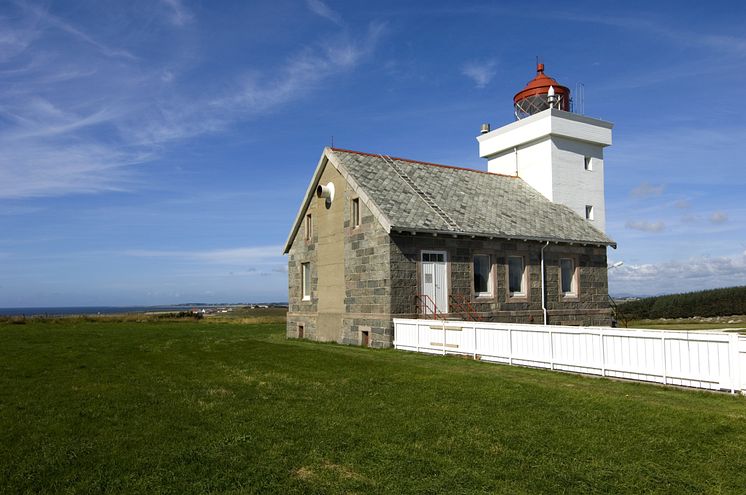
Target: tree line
pixel 715 302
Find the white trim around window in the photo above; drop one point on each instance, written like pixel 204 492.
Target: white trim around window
pixel 355 213
pixel 517 277
pixel 309 227
pixel 483 279
pixel 305 281
pixel 568 277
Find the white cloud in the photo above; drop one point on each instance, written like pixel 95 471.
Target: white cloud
pixel 679 275
pixel 646 190
pixel 323 10
pixel 480 72
pixel 719 217
pixel 645 226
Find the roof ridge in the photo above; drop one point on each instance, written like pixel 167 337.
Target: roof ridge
pixel 419 162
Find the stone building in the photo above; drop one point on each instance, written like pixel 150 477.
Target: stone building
pixel 378 237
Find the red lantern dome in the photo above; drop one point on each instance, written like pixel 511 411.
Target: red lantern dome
pixel 539 94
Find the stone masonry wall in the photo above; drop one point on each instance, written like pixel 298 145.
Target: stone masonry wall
pixel 302 312
pixel 590 307
pixel 367 275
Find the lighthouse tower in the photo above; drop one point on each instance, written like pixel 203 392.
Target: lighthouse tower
pixel 557 152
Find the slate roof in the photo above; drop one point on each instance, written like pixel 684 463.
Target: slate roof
pixel 473 202
pixel 412 196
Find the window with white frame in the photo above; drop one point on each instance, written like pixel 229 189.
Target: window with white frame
pixel 309 227
pixel 306 281
pixel 482 275
pixel 355 216
pixel 516 276
pixel 568 278
pixel 589 212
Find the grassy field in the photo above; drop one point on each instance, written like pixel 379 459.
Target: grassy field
pixel 208 407
pixel 725 323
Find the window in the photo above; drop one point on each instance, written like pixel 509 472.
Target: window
pixel 588 163
pixel 355 213
pixel 306 281
pixel 434 257
pixel 482 275
pixel 588 212
pixel 309 227
pixel 568 279
pixel 516 276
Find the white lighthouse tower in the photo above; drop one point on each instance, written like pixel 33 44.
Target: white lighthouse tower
pixel 557 152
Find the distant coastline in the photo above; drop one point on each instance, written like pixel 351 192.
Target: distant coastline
pixel 108 310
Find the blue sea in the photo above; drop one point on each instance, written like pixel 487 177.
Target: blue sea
pixel 90 310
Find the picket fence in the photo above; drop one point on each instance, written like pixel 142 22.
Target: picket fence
pixel 710 360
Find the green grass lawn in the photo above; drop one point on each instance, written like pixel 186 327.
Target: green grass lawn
pixel 689 325
pixel 198 407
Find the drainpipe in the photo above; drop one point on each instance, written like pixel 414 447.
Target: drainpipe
pixel 515 159
pixel 543 289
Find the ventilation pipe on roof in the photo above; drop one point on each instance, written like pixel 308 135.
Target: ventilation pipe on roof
pixel 485 129
pixel 543 288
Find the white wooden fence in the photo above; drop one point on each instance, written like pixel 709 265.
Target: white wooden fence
pixel 711 360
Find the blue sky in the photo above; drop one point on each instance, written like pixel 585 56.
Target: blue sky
pixel 157 151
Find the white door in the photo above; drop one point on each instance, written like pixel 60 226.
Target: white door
pixel 434 282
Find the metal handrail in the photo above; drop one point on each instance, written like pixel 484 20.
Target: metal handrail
pixel 465 307
pixel 420 298
pixel 618 313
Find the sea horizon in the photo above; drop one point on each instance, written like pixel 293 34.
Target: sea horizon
pixel 95 310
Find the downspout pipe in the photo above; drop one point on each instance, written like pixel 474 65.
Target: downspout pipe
pixel 543 288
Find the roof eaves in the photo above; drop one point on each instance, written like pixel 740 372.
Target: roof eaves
pixel 327 156
pixel 307 199
pixel 499 235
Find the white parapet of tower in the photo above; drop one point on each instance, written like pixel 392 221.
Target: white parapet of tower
pixel 558 153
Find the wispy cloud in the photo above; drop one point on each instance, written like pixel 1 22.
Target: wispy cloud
pixel 241 255
pixel 302 72
pixel 670 148
pixel 323 10
pixel 645 226
pixel 734 45
pixel 179 14
pixel 480 72
pixel 47 19
pixel 719 217
pixel 682 204
pixel 646 190
pixel 78 121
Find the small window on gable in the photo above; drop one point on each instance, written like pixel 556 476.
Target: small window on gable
pixel 588 212
pixel 568 277
pixel 306 281
pixel 516 276
pixel 309 227
pixel 588 163
pixel 482 275
pixel 355 217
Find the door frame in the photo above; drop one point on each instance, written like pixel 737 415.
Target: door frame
pixel 446 276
